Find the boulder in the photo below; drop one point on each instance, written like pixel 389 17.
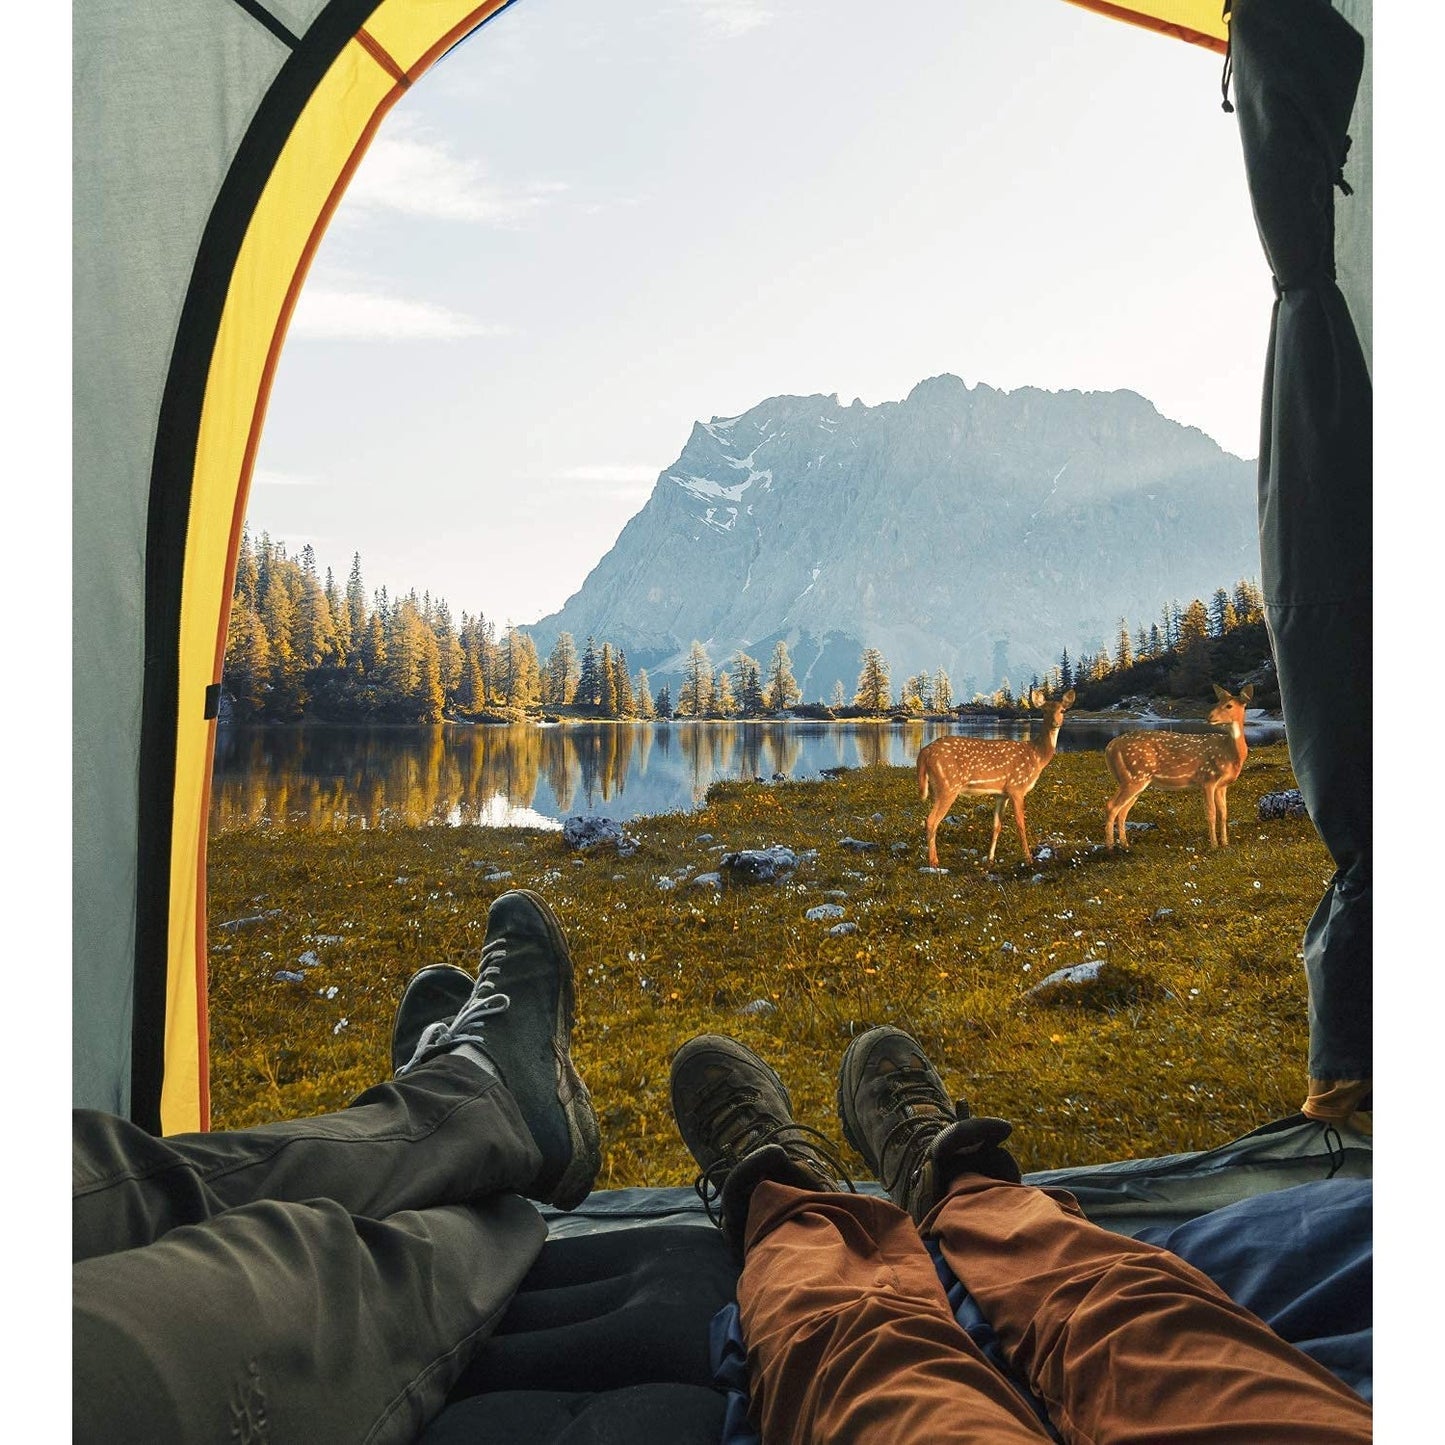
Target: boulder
pixel 857 845
pixel 583 831
pixel 825 911
pixel 758 865
pixel 1287 803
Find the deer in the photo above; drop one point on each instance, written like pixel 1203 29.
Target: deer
pixel 1177 761
pixel 1005 768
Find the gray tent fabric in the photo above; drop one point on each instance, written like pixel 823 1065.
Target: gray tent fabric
pixel 141 193
pixel 1297 65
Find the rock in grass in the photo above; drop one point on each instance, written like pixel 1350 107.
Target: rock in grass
pixel 288 975
pixel 1094 984
pixel 582 831
pixel 1288 803
pixel 757 1006
pixel 839 929
pixel 825 911
pixel 707 880
pixel 927 869
pixel 758 865
pixel 857 845
pixel 1061 979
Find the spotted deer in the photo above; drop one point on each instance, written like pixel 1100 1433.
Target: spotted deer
pixel 1176 761
pixel 987 766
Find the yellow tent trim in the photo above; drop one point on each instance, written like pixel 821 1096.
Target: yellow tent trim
pixel 401 39
pixel 1200 22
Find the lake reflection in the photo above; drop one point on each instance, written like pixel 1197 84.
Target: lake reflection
pixel 319 777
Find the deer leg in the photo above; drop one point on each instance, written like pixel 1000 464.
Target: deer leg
pixel 942 802
pixel 1018 802
pixel 1224 817
pixel 1119 807
pixel 1209 813
pixel 997 824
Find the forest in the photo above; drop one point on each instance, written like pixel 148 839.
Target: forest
pixel 304 648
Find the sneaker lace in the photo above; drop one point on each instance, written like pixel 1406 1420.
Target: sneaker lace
pixel 742 1127
pixel 466 1027
pixel 914 1097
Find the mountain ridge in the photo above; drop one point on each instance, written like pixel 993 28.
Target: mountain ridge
pixel 965 527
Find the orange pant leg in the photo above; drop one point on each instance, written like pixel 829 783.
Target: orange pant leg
pixel 850 1337
pixel 1127 1343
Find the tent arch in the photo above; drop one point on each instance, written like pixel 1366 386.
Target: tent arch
pixel 211 147
pixel 140 1035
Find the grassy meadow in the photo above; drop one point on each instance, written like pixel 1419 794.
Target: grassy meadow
pixel 1194 1034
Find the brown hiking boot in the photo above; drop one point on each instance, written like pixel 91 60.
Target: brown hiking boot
pixel 736 1118
pixel 917 1140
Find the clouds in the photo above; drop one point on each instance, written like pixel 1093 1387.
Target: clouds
pixel 408 173
pixel 350 313
pixel 611 480
pixel 729 18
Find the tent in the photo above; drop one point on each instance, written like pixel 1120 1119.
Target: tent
pixel 211 146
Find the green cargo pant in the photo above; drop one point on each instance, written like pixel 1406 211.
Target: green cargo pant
pixel 318 1279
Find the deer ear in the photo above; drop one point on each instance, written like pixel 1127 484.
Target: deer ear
pixel 1246 692
pixel 1068 698
pixel 1220 693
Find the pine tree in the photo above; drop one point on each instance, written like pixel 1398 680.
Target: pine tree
pixel 695 696
pixel 588 692
pixel 1248 601
pixel 643 693
pixel 872 694
pixel 563 674
pixel 356 612
pixel 1123 648
pixel 747 684
pixel 663 704
pixel 521 671
pixel 917 692
pixel 1156 640
pixel 1194 626
pixel 449 650
pixel 724 704
pixel 782 690
pixel 340 620
pixel 838 698
pixel 607 676
pixel 942 692
pixel 622 686
pixel 1066 671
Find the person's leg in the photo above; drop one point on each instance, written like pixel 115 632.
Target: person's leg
pixel 292 1321
pixel 849 1332
pixel 444 1131
pixel 444 1134
pixel 1123 1341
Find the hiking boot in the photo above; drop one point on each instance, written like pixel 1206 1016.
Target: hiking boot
pixel 436 993
pixel 736 1118
pixel 917 1140
pixel 526 973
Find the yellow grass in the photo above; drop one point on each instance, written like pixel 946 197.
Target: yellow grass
pixel 1200 1035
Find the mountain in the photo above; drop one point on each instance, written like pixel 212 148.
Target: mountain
pixel 964 527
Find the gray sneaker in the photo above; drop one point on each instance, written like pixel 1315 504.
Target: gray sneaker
pixel 917 1140
pixel 737 1121
pixel 526 973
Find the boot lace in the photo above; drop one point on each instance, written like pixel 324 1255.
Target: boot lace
pixel 740 1125
pixel 466 1027
pixel 914 1098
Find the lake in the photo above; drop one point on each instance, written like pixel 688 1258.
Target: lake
pixel 320 777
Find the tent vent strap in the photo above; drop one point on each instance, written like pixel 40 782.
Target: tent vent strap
pixel 1228 74
pixel 1345 187
pixel 213 701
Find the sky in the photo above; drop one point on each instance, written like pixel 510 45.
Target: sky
pixel 581 232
